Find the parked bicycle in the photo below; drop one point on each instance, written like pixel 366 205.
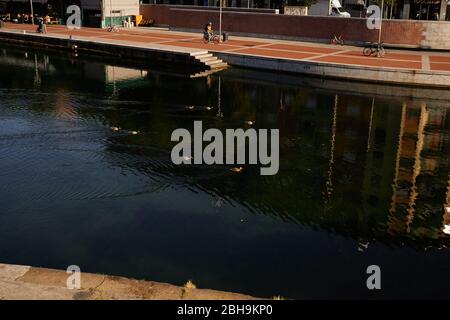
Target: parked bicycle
pixel 337 40
pixel 374 49
pixel 113 28
pixel 211 37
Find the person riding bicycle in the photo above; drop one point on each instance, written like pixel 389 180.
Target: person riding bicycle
pixel 208 30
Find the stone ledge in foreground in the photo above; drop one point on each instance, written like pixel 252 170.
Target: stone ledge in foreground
pixel 29 283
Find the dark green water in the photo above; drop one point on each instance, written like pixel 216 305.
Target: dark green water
pixel 363 179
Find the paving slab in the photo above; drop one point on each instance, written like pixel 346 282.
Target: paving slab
pixel 10 272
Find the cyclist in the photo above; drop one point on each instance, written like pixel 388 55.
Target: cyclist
pixel 208 31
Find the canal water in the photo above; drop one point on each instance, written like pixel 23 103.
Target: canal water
pixel 363 179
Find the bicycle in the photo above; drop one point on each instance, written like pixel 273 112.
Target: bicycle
pixel 337 40
pixel 208 37
pixel 113 28
pixel 374 48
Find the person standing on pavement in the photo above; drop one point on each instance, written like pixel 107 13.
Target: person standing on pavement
pixel 44 22
pixel 40 28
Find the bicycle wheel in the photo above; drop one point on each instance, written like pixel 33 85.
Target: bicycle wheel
pixel 216 39
pixel 381 52
pixel 367 51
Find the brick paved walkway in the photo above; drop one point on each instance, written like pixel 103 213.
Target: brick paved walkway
pixel 343 55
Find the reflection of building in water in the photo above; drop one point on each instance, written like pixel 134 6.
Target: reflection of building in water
pixel 416 162
pixel 64 108
pixel 410 146
pixel 446 226
pixel 357 125
pixel 111 74
pixel 122 74
pixel 405 179
pixel 114 77
pixel 28 60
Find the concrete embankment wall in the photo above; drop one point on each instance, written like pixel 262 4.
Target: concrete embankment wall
pixel 181 60
pixel 405 33
pixel 433 97
pixel 338 71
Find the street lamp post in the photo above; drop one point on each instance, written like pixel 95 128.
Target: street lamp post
pixel 220 19
pixel 110 13
pixel 381 21
pixel 32 12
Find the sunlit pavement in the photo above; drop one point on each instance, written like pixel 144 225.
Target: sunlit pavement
pixel 280 49
pixel 29 283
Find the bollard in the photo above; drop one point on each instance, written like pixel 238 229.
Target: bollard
pixel 225 37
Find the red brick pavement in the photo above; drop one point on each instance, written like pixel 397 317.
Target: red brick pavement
pixel 263 47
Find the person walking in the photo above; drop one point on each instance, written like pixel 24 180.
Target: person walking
pixel 45 21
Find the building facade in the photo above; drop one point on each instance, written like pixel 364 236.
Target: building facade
pixel 95 13
pixel 400 9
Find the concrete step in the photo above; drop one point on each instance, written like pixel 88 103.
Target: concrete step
pixel 211 62
pixel 208 59
pixel 201 56
pixel 222 65
pixel 199 53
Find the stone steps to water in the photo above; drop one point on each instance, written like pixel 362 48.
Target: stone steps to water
pixel 210 61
